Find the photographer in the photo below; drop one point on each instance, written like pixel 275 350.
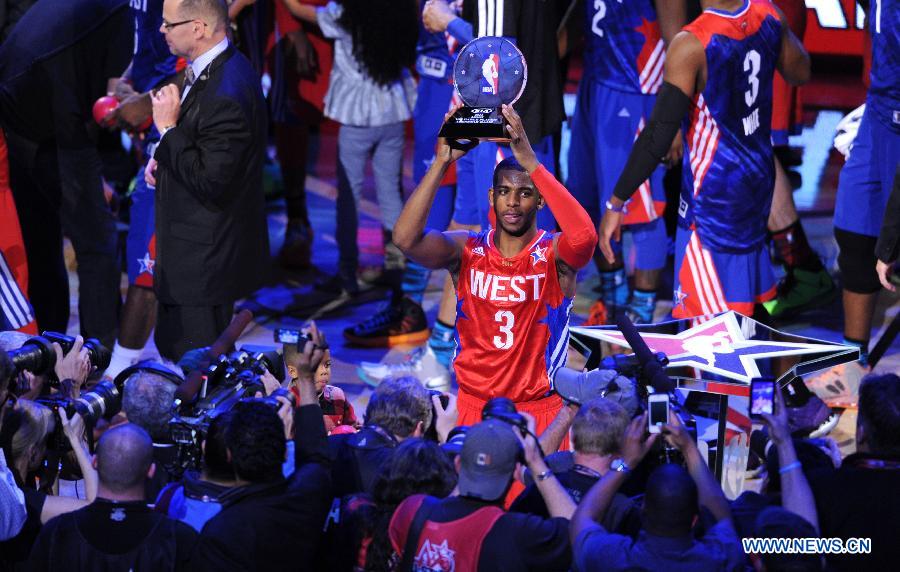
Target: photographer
pixel 23 439
pixel 471 526
pixel 859 499
pixel 197 498
pixel 597 434
pixel 12 501
pixel 71 368
pixel 269 522
pixel 147 402
pixel 118 531
pixel 336 408
pixel 672 502
pixel 399 408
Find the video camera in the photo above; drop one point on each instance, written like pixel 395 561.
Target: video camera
pixel 37 355
pixel 230 379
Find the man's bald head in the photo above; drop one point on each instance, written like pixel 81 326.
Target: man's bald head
pixel 124 456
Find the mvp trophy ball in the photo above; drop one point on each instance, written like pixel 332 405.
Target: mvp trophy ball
pixel 488 72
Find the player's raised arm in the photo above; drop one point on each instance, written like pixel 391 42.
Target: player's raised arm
pixel 429 247
pixel 576 244
pixel 793 61
pixel 684 72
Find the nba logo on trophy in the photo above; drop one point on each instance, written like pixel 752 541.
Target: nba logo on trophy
pixel 490 70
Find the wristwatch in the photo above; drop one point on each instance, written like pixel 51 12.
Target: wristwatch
pixel 544 475
pixel 620 466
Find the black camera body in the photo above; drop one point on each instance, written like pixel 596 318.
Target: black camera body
pixel 231 378
pixel 37 355
pixel 103 400
pixel 504 409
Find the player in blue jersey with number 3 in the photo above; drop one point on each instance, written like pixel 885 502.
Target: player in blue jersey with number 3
pixel 718 82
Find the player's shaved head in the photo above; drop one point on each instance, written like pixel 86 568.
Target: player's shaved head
pixel 124 455
pixel 670 502
pixel 508 164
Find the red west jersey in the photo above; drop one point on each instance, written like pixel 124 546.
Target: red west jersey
pixel 512 319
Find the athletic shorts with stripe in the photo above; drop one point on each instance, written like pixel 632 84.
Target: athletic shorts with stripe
pixel 709 281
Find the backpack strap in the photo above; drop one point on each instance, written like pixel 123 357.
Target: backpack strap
pixel 415 531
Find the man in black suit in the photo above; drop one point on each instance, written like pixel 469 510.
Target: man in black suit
pixel 211 235
pixel 55 63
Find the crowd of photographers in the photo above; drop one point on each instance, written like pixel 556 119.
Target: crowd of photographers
pixel 251 472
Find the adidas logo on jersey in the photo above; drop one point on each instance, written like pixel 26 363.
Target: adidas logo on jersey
pixel 478 250
pixel 624 112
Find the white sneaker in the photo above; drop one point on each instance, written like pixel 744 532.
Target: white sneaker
pixel 838 386
pixel 420 363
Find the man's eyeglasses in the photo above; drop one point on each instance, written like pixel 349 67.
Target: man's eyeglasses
pixel 169 25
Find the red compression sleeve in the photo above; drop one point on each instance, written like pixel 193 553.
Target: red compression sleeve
pixel 579 237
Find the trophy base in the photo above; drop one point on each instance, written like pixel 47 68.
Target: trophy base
pixel 470 123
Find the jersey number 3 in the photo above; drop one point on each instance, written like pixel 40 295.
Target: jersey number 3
pixel 751 66
pixel 506 319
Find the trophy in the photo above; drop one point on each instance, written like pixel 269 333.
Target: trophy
pixel 488 72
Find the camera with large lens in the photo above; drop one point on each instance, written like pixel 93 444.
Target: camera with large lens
pixel 231 378
pixel 37 355
pixel 504 409
pixel 104 400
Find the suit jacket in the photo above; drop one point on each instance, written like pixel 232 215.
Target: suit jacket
pixel 212 243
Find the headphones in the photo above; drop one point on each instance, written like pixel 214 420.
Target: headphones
pixel 148 366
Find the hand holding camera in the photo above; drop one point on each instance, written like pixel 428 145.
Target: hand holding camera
pixel 677 435
pixel 637 441
pixel 76 365
pixel 779 431
pixel 444 417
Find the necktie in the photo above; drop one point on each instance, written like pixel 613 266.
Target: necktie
pixel 189 76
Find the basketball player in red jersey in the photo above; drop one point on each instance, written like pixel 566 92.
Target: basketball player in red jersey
pixel 515 284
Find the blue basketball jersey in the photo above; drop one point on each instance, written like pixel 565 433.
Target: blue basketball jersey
pixel 729 173
pixel 623 46
pixel 884 86
pixel 153 62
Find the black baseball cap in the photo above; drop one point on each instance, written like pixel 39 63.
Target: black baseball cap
pixel 488 459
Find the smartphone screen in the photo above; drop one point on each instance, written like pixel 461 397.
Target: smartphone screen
pixel 659 412
pixel 762 397
pixel 284 336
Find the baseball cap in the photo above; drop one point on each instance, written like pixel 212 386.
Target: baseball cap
pixel 489 456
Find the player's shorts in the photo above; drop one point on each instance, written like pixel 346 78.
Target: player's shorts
pixel 866 179
pixel 650 244
pixel 140 247
pixel 432 103
pixel 475 176
pixel 709 282
pixel 604 126
pixel 543 410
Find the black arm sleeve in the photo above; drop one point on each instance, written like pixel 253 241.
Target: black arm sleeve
pixel 654 141
pixel 887 249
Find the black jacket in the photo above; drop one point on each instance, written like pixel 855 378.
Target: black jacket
pixel 276 525
pixel 212 243
pixel 861 500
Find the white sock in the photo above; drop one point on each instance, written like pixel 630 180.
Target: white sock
pixel 122 358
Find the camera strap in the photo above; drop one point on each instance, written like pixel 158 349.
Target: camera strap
pixel 415 531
